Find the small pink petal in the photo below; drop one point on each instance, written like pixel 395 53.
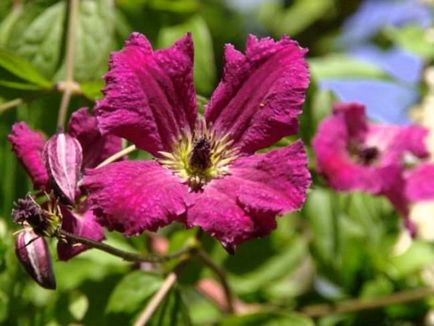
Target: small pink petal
pixel 96 147
pixel 28 146
pixel 134 196
pixel 32 252
pixel 261 94
pixel 83 224
pixel 420 183
pixel 64 158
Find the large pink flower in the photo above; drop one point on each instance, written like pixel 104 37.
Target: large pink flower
pixel 206 172
pixel 36 155
pixel 356 155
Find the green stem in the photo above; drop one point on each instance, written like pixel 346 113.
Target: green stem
pixel 69 83
pixel 367 304
pixel 10 104
pixel 125 255
pixel 221 274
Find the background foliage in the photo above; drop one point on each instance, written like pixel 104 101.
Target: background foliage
pixel 339 247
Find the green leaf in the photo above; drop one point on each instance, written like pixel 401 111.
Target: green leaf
pixel 40 40
pixel 268 319
pixel 419 255
pixel 204 65
pixel 94 40
pixel 23 70
pixel 133 291
pixel 342 66
pixel 294 19
pixel 7 24
pixel 414 39
pixel 78 305
pixel 276 267
pixel 92 89
pixel 172 311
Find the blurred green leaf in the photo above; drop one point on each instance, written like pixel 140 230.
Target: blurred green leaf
pixel 268 319
pixel 8 23
pixel 40 39
pixel 92 89
pixel 132 291
pixel 278 266
pixel 204 65
pixel 94 40
pixel 342 66
pixel 176 6
pixel 295 18
pixel 414 39
pixel 22 69
pixel 172 311
pixel 78 305
pixel 419 255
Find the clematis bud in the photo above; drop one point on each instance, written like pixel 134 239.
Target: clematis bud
pixel 64 157
pixel 32 251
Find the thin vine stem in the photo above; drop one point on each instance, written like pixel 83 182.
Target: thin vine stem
pixel 156 300
pixel 69 84
pixel 356 305
pixel 11 104
pixel 117 156
pixel 221 274
pixel 125 255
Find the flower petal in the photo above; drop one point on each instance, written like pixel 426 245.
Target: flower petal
pixel 217 212
pixel 261 94
pixel 149 96
pixel 244 204
pixel 96 147
pixel 28 145
pixel 32 252
pixel 348 128
pixel 63 155
pixel 396 141
pixel 83 224
pixel 420 183
pixel 134 196
pixel 330 145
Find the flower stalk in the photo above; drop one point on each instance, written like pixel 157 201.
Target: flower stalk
pixel 117 156
pixel 125 255
pixel 69 86
pixel 357 305
pixel 221 275
pixel 156 300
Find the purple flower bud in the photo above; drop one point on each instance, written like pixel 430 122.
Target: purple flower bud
pixel 64 157
pixel 32 251
pixel 26 210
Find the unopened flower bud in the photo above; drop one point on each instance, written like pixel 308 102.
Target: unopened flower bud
pixel 32 252
pixel 64 157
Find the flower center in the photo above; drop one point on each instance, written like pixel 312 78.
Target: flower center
pixel 200 158
pixel 368 155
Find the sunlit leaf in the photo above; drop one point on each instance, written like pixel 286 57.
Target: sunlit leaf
pixel 172 311
pixel 133 291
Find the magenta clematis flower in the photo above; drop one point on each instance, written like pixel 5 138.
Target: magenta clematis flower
pixel 206 171
pixel 55 167
pixel 356 155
